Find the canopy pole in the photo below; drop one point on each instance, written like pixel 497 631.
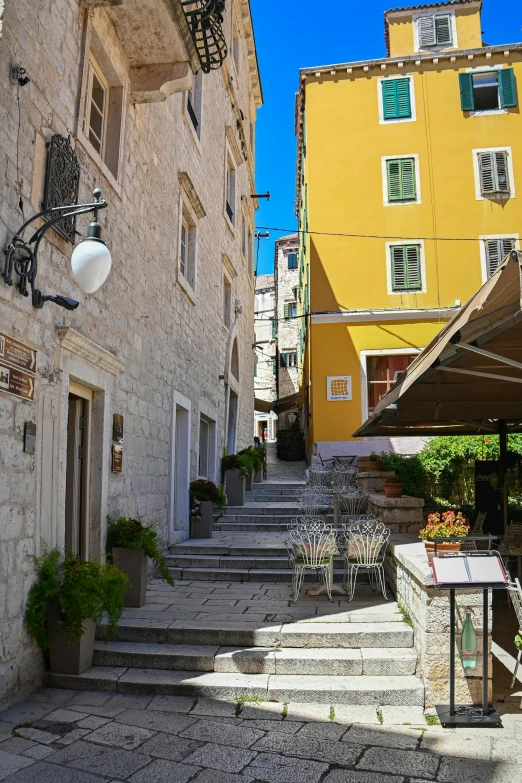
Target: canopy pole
pixel 502 433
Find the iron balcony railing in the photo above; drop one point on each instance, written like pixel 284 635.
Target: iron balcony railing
pixel 205 19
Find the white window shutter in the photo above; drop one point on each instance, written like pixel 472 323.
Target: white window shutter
pixel 507 246
pixel 502 177
pixel 443 30
pixel 426 28
pixel 487 172
pixel 339 387
pixel 492 255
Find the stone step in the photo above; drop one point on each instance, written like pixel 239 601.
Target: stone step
pixel 268 489
pixel 278 486
pixel 253 561
pixel 252 527
pixel 366 689
pixel 240 632
pixel 256 660
pixel 266 498
pixel 229 574
pixel 261 510
pixel 190 548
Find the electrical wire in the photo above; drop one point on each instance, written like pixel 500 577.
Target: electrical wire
pixel 372 236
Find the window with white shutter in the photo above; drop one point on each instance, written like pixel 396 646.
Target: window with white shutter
pixel 434 30
pixel 494 174
pixel 338 388
pixel 496 252
pixel 406 271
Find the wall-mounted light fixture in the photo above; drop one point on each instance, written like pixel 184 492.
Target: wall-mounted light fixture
pixel 261 195
pixel 90 261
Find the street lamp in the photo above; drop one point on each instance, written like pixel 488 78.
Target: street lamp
pixel 90 261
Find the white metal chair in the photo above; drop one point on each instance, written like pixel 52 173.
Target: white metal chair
pixel 314 500
pixel 515 593
pixel 366 544
pixel 312 545
pixel 319 476
pixel 351 503
pixel 344 476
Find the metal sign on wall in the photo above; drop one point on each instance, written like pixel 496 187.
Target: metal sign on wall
pixel 17 367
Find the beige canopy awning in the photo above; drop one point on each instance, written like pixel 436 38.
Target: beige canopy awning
pixel 470 376
pixel 263 406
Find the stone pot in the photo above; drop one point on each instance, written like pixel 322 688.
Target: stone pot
pixel 134 563
pixel 202 528
pixel 235 488
pixel 392 490
pixel 442 548
pixel 372 465
pixel 258 477
pixel 250 481
pixel 64 657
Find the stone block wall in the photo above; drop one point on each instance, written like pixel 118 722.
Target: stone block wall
pixel 165 343
pixel 411 579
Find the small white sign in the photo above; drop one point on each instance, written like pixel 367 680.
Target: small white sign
pixel 339 387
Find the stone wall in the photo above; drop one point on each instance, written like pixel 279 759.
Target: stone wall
pixel 142 343
pixel 410 575
pixel 288 329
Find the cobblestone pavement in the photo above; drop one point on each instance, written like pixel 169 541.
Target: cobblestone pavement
pixel 278 470
pixel 65 736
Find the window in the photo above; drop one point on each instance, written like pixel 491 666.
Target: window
pixel 187 247
pixel 493 171
pixel 274 328
pixel 495 252
pixel 401 179
pixel 396 103
pixel 292 261
pixel 338 388
pixel 488 90
pixel 406 272
pixel 227 302
pixel 96 114
pixel 194 102
pixel 250 241
pixel 290 310
pixel 243 236
pixel 382 372
pixel 288 359
pixel 204 447
pixel 434 30
pixel 274 365
pixel 230 191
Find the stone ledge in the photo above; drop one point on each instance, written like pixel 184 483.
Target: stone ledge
pixel 379 499
pixel 375 474
pixel 411 554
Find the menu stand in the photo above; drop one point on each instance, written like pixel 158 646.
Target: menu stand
pixel 473 716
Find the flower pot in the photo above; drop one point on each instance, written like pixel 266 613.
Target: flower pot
pixel 442 548
pixel 250 481
pixel 373 465
pixel 64 657
pixel 235 488
pixel 258 477
pixel 134 563
pixel 202 528
pixel 392 490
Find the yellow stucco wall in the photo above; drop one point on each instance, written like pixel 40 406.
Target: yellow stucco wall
pixel 469 35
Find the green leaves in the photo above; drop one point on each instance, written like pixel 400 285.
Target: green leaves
pixel 408 471
pixel 133 534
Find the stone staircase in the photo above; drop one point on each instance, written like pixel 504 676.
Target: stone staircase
pixel 228 629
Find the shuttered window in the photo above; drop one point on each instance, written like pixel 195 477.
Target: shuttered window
pixel 406 268
pixel 274 328
pixel 287 310
pixel 396 100
pixel 435 30
pixel 292 261
pixel 494 176
pixel 401 179
pixel 507 87
pixel 488 90
pixel 496 251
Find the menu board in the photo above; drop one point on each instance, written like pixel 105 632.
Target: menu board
pixel 469 570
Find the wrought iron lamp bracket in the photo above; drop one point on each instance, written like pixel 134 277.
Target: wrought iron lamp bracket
pixel 22 255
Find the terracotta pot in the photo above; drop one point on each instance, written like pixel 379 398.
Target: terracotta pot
pixel 202 528
pixel 64 657
pixel 393 490
pixel 373 465
pixel 134 563
pixel 442 548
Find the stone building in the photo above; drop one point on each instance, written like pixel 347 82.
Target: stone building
pixel 265 356
pixel 166 343
pixel 286 273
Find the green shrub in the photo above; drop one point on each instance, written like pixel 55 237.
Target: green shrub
pixel 230 462
pixel 408 471
pixel 81 590
pixel 250 461
pixel 207 490
pixel 133 534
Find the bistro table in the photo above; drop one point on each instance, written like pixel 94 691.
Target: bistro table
pixel 334 589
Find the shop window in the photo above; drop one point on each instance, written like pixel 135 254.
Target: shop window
pixel 382 372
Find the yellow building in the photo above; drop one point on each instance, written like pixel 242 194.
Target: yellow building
pixel 408 168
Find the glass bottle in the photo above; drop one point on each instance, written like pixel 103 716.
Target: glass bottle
pixel 468 644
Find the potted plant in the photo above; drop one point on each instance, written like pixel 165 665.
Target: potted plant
pixel 261 453
pixel 130 543
pixel 447 525
pixel 65 603
pixel 393 487
pixel 250 463
pixel 205 498
pixel 374 462
pixel 235 480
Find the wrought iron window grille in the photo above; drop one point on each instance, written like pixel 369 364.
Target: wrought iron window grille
pixel 205 19
pixel 62 182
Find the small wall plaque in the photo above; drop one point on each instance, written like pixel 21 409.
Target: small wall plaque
pixel 29 437
pixel 117 458
pixel 117 427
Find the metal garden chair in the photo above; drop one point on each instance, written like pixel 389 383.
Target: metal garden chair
pixel 344 476
pixel 366 544
pixel 312 545
pixel 515 593
pixel 315 500
pixel 351 503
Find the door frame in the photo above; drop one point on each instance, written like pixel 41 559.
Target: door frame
pixel 87 395
pixel 179 511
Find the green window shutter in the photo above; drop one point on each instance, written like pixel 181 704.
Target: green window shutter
pixel 409 190
pixel 398 269
pixel 401 179
pixel 467 100
pixel 413 267
pixel 403 97
pixel 282 360
pixel 507 87
pixel 287 310
pixel 274 328
pixel 406 268
pixel 394 180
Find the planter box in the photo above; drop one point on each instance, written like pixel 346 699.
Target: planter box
pixel 135 563
pixel 258 477
pixel 64 657
pixel 235 488
pixel 202 528
pixel 250 481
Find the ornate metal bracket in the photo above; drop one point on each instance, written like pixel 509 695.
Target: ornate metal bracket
pixel 62 182
pixel 205 18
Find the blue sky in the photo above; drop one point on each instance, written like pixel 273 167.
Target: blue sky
pixel 294 34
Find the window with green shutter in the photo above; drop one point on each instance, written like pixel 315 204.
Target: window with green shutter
pixel 274 328
pixel 489 90
pixel 396 102
pixel 401 179
pixel 287 309
pixel 406 273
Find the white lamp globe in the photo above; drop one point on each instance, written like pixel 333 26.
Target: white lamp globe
pixel 91 262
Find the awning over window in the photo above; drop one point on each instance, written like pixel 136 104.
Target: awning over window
pixel 470 375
